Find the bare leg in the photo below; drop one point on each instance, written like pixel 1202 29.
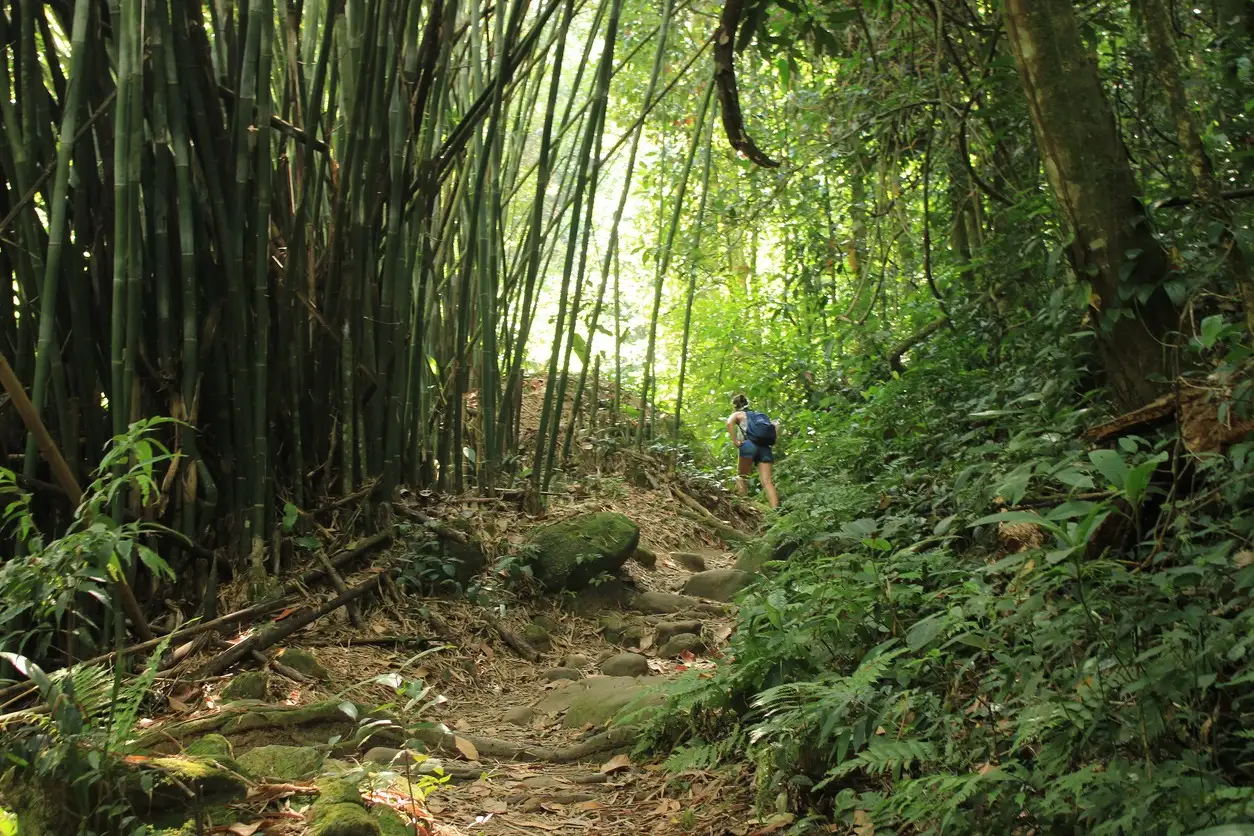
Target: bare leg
pixel 768 484
pixel 743 467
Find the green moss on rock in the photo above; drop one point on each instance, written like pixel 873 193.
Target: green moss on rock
pixel 302 661
pixel 285 763
pixel 210 746
pixel 343 820
pixel 249 685
pixel 390 821
pixel 570 553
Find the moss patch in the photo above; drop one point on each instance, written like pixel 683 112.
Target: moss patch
pixel 390 821
pixel 286 763
pixel 210 746
pixel 249 685
pixel 302 661
pixel 343 820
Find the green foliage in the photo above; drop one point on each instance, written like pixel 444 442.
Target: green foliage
pixel 61 587
pixel 904 666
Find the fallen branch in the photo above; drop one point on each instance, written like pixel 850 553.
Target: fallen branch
pixel 371 641
pixel 515 642
pixel 441 530
pixel 266 638
pixel 897 351
pixel 341 560
pixel 619 738
pixel 340 587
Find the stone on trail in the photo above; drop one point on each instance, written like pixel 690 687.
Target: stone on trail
pixel 680 643
pixel 691 561
pixel 249 685
pixel 613 627
pixel 537 637
pixel 717 584
pixel 673 628
pixel 753 556
pixel 548 622
pixel 613 594
pixel 576 661
pixel 663 603
pixel 626 664
pixel 283 763
pixel 554 674
pixel 572 552
pixel 645 556
pixel 598 700
pixel 303 661
pixel 520 716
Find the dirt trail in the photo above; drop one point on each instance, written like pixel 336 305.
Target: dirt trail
pixel 482 689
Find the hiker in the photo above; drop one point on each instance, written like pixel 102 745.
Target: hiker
pixel 754 434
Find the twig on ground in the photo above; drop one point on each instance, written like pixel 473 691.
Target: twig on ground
pixel 515 642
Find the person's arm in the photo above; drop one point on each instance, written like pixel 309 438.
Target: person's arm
pixel 732 423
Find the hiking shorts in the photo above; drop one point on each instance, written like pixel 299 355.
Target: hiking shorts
pixel 751 454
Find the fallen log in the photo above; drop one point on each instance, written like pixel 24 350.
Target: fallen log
pixel 266 638
pixel 340 587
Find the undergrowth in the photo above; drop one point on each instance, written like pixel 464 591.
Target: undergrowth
pixel 985 624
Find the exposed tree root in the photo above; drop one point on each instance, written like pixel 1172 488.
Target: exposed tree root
pixel 596 745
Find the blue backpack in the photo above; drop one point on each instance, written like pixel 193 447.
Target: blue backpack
pixel 759 428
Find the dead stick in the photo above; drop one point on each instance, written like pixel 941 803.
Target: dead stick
pixel 265 638
pixel 340 587
pixel 515 641
pixel 373 641
pixel 65 478
pixel 343 559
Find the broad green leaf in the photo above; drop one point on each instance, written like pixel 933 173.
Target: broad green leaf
pixel 1111 465
pixel 924 631
pixel 1212 327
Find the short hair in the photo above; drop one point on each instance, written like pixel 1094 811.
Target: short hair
pixel 740 401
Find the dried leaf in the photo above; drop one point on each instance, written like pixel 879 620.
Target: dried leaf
pixel 615 763
pixel 468 750
pixel 862 824
pixel 589 805
pixel 538 824
pixel 244 829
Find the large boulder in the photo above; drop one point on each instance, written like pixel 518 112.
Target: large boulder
pixel 569 554
pixel 717 584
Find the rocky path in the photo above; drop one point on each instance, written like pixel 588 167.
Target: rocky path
pixel 540 744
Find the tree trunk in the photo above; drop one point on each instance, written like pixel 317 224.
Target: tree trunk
pixel 1092 180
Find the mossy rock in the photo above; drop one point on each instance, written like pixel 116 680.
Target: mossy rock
pixel 467 558
pixel 210 746
pixel 645 556
pixel 681 643
pixel 572 552
pixel 284 763
pixel 609 595
pixel 27 799
pixel 343 820
pixel 303 661
pixel 718 584
pixel 338 811
pixel 249 685
pixel 390 821
pixel 606 698
pixel 538 637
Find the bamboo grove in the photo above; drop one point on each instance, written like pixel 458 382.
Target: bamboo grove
pixel 314 232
